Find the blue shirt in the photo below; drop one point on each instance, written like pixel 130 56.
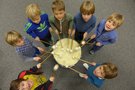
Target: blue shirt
pixel 98 82
pixel 103 36
pixel 82 26
pixel 40 30
pixel 27 51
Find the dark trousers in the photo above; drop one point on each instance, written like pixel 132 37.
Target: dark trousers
pixel 47 39
pixel 94 47
pixel 37 52
pixel 79 36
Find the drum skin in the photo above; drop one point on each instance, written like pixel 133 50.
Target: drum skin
pixel 66 52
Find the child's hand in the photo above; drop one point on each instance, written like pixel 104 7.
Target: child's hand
pixel 39 65
pixel 52 78
pixel 83 42
pixel 69 31
pixel 98 44
pixel 93 36
pixel 56 31
pixel 93 63
pixel 85 76
pixel 41 49
pixel 37 39
pixel 37 58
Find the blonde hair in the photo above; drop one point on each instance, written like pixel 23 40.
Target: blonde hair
pixel 87 7
pixel 32 10
pixel 118 19
pixel 110 70
pixel 12 37
pixel 58 5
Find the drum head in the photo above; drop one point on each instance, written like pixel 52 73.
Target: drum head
pixel 69 55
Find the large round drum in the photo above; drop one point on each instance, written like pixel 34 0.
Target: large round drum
pixel 67 52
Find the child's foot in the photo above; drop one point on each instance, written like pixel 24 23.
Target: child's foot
pixel 86 65
pixel 91 52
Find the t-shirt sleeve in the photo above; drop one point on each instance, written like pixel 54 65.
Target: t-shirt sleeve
pixel 51 20
pixel 70 21
pixel 29 30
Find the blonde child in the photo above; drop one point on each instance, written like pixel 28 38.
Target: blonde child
pixel 61 22
pixel 84 21
pixel 105 32
pixel 24 47
pixel 38 24
pixel 97 73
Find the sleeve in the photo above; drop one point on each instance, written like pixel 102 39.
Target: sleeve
pixel 74 24
pixel 46 86
pixel 70 21
pixel 90 80
pixel 110 41
pixel 25 58
pixel 34 69
pixel 51 20
pixel 99 28
pixel 29 30
pixel 92 25
pixel 47 20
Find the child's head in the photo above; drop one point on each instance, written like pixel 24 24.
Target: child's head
pixel 114 21
pixel 14 38
pixel 33 12
pixel 21 84
pixel 58 8
pixel 87 9
pixel 106 70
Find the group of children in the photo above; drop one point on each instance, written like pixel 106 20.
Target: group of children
pixel 40 27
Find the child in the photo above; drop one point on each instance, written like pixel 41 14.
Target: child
pixel 38 24
pixel 84 21
pixel 32 79
pixel 24 47
pixel 97 73
pixel 105 32
pixel 61 22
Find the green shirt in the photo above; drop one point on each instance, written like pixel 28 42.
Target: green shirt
pixel 62 26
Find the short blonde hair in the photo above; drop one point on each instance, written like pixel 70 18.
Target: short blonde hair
pixel 58 5
pixel 12 37
pixel 110 70
pixel 118 19
pixel 32 10
pixel 87 7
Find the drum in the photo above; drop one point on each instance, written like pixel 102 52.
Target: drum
pixel 66 52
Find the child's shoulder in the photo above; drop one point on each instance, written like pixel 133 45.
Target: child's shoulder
pixel 51 18
pixel 44 14
pixel 103 21
pixel 69 16
pixel 78 15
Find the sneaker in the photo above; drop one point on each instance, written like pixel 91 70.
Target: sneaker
pixel 91 52
pixel 86 65
pixel 81 75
